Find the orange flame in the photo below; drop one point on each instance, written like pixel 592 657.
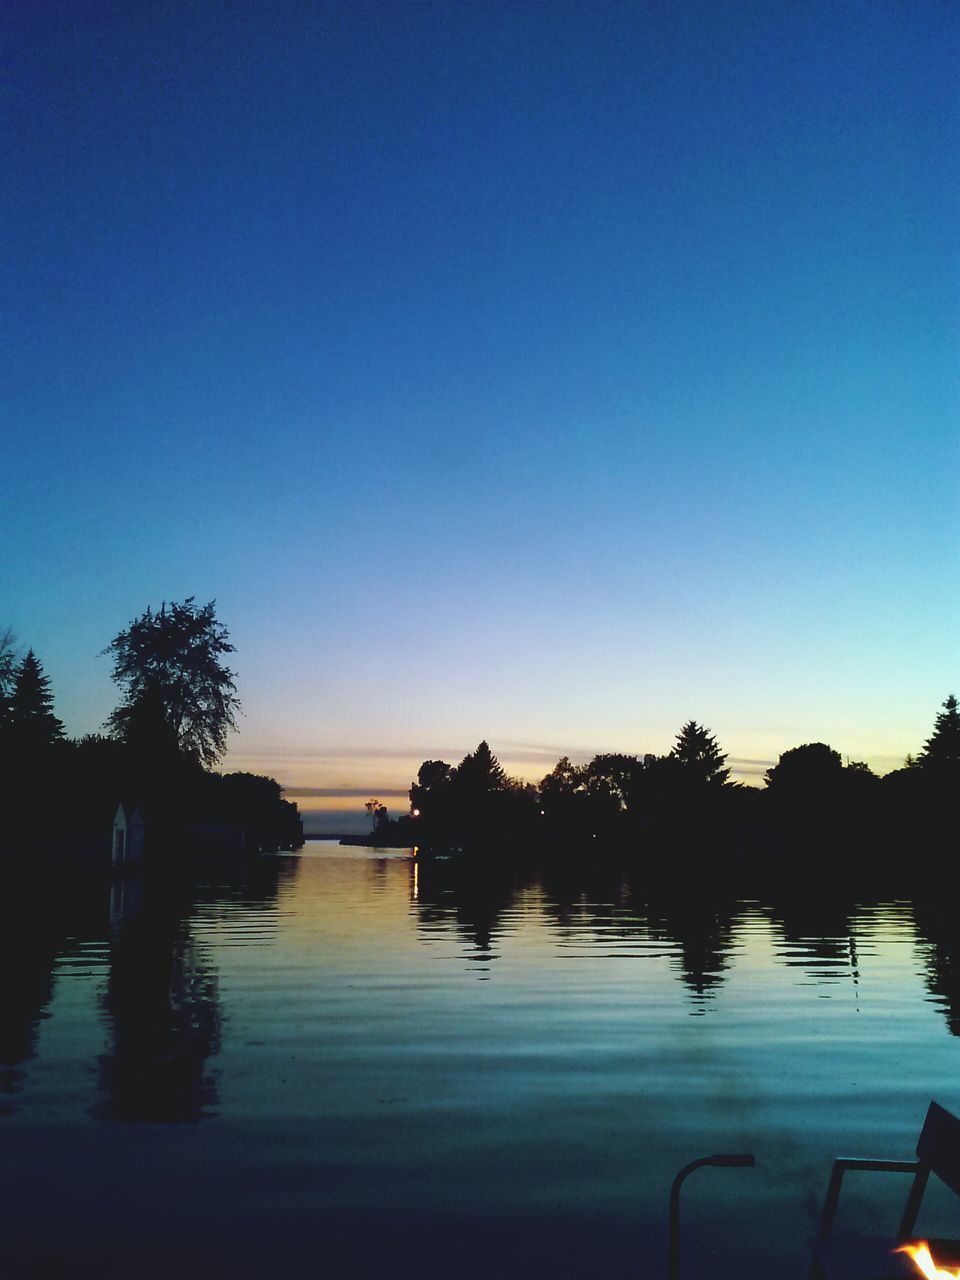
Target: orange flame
pixel 920 1253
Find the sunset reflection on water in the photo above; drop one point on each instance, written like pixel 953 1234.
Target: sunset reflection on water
pixel 346 1053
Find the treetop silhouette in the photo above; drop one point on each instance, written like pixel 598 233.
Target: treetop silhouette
pixel 942 749
pixel 698 751
pixel 29 707
pixel 481 771
pixel 806 766
pixel 170 667
pixel 8 663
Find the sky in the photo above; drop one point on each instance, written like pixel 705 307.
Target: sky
pixel 544 372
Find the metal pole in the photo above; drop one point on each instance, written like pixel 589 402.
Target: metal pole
pixel 722 1161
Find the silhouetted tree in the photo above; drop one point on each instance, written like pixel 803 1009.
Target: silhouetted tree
pixel 31 721
pixel 475 805
pixel 433 773
pixel 95 773
pixel 480 772
pixel 562 791
pixel 426 794
pixel 431 802
pixel 150 736
pixel 564 779
pixel 805 769
pixel 701 757
pixel 8 664
pixel 664 787
pixel 254 804
pixel 377 814
pixel 941 751
pixel 170 667
pixel 611 778
pixel 860 785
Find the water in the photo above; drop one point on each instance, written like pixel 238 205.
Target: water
pixel 346 1060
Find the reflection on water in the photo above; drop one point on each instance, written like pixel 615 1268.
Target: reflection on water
pixel 162 1010
pixel 345 1054
pixel 35 925
pixel 937 928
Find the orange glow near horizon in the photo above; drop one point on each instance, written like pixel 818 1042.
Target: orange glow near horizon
pixel 339 803
pixel 386 775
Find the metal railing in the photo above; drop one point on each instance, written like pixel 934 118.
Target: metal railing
pixel 721 1161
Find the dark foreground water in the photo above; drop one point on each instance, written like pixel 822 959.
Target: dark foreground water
pixel 344 1062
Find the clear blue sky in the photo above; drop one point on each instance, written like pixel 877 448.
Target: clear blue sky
pixel 550 372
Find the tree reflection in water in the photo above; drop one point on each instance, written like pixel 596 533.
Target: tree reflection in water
pixel 939 932
pixel 161 1002
pixel 29 954
pixel 699 927
pixel 161 1005
pixel 471 897
pixel 41 913
pixel 703 929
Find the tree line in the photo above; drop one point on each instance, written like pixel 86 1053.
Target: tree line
pixel 157 752
pixel 178 701
pixel 629 799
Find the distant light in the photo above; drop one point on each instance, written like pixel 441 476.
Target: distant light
pixel 542 812
pixel 416 813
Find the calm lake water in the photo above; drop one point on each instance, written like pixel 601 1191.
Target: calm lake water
pixel 347 1060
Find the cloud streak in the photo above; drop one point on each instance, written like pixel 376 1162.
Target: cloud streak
pixel 345 793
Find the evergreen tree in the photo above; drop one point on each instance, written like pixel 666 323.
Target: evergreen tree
pixel 481 772
pixel 942 749
pixel 697 750
pixel 31 720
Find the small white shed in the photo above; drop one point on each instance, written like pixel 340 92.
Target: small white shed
pixel 127 835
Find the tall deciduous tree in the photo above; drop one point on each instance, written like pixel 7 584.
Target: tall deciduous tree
pixel 30 707
pixel 170 666
pixel 942 749
pixel 698 751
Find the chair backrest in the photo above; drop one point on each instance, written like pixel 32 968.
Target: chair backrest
pixel 939 1145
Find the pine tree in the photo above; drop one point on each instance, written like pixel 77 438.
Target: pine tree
pixel 698 751
pixel 481 771
pixel 942 749
pixel 33 724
